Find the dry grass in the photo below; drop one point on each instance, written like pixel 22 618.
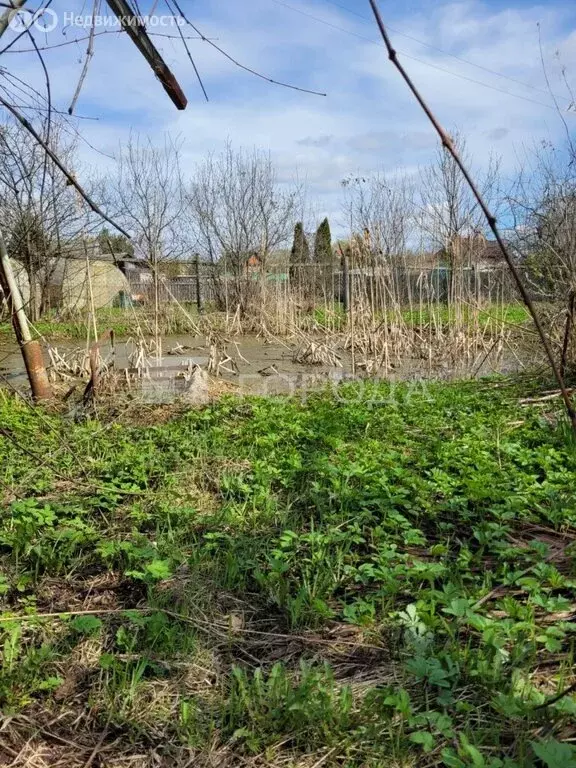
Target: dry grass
pixel 89 722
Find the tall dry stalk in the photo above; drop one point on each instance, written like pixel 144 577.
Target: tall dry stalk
pixel 450 147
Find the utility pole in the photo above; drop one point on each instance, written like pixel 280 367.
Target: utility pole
pixel 30 348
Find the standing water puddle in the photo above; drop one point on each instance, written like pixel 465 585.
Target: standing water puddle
pixel 263 368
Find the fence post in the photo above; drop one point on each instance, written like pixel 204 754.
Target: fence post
pixel 346 283
pixel 198 293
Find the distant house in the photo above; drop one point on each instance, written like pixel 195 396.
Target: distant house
pixel 425 260
pixel 253 261
pixel 81 274
pixel 490 256
pixel 472 251
pixel 138 273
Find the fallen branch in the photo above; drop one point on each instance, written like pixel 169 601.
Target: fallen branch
pixel 558 696
pixel 543 398
pixel 206 626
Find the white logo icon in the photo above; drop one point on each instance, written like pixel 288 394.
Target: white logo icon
pixel 44 20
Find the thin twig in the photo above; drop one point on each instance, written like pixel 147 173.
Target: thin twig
pixel 97 748
pixel 50 734
pixel 450 147
pixel 99 34
pixel 197 73
pixel 48 112
pixel 486 356
pixel 551 92
pixel 325 757
pixel 26 29
pixel 237 63
pixel 568 331
pixel 558 696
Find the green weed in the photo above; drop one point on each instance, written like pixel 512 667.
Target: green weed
pixel 433 523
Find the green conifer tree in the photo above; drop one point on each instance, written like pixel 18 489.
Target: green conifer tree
pixel 300 253
pixel 323 244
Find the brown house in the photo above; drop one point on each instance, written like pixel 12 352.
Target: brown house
pixel 472 251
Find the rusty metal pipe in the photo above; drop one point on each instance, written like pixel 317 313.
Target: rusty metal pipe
pixel 36 370
pixel 30 348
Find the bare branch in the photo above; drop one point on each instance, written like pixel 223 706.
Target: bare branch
pixel 449 145
pixel 99 34
pixel 137 33
pixel 9 14
pixel 551 92
pixel 190 56
pixel 25 31
pixel 89 54
pixel 55 159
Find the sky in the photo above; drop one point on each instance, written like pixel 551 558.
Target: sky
pixel 478 63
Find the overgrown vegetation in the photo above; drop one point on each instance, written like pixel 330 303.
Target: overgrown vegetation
pixel 133 322
pixel 381 575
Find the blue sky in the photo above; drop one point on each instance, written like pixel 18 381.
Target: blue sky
pixel 368 120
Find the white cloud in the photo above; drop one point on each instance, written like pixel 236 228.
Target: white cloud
pixel 368 121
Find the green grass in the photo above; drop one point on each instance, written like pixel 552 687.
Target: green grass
pixel 123 322
pixel 515 314
pixel 380 576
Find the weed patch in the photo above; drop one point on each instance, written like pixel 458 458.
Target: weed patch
pixel 379 576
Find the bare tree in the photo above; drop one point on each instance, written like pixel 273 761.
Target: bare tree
pixel 39 211
pixel 450 215
pixel 380 210
pixel 148 193
pixel 240 213
pixel 448 208
pixel 543 204
pixel 149 196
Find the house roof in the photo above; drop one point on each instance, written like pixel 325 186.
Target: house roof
pixel 475 249
pixel 491 252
